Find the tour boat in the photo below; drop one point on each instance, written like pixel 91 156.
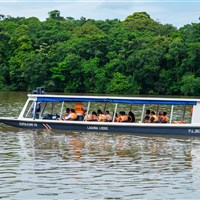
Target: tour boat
pixel 52 108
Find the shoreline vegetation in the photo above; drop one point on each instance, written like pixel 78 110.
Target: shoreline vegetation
pixel 135 56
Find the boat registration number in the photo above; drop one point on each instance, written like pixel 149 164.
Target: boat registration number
pixel 27 124
pixel 194 131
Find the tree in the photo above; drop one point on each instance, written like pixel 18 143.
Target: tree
pixel 122 84
pixel 190 85
pixel 55 14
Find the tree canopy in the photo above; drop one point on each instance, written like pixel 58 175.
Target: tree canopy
pixel 136 56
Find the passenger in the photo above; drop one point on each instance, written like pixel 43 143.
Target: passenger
pixel 94 116
pixel 131 116
pixel 160 117
pixel 67 112
pixel 153 118
pixel 117 117
pixel 101 116
pixel 108 116
pixel 99 112
pixel 147 117
pixel 38 110
pixel 72 115
pixel 88 118
pixel 80 111
pixel 123 117
pixel 165 118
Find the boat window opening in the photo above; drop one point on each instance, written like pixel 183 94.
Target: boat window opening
pixel 181 114
pixel 65 106
pixel 152 107
pixel 111 108
pixel 94 106
pixel 51 109
pixel 44 106
pixel 29 110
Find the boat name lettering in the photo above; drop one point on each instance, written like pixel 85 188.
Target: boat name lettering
pixel 28 124
pixel 102 128
pixel 193 130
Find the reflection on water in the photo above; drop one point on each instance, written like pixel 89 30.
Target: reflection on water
pixel 58 165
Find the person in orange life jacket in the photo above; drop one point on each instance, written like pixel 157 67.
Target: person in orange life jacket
pixel 80 111
pixel 153 118
pixel 72 115
pixel 108 116
pixel 92 117
pixel 165 118
pixel 101 116
pixel 131 116
pixel 123 117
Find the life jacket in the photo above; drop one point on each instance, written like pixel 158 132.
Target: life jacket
pixel 165 119
pixel 123 118
pixel 102 118
pixel 108 118
pixel 74 116
pixel 79 108
pixel 155 119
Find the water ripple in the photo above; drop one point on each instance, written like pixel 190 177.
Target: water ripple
pixel 56 165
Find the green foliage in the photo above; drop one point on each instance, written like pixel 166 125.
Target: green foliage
pixel 137 56
pixel 122 84
pixel 190 85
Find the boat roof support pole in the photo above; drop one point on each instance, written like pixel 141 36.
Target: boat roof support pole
pixel 143 109
pixel 88 108
pixel 104 108
pixel 171 114
pixel 34 110
pixel 115 111
pixel 157 109
pixel 52 108
pixel 61 110
pixel 183 117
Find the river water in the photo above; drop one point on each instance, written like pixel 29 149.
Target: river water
pixel 71 165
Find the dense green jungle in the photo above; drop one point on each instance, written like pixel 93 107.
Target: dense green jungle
pixel 138 55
